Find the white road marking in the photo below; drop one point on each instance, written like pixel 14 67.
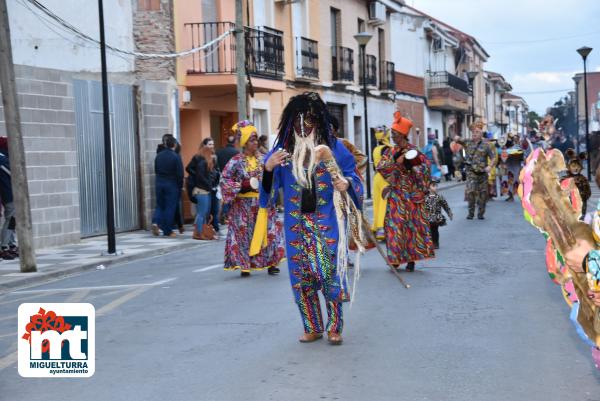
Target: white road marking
pixel 204 269
pixel 104 287
pixel 120 301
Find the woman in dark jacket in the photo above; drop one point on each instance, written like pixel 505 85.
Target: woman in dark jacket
pixel 206 179
pixel 448 159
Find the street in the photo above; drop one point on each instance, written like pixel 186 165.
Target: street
pixel 480 322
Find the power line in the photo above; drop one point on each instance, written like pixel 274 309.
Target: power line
pixel 65 25
pixel 542 92
pixel 516 42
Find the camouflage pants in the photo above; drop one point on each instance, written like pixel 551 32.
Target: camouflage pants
pixel 477 193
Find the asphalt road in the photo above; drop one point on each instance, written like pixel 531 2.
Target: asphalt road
pixel 481 322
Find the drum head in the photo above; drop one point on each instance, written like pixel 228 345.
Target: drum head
pixel 254 183
pixel 411 154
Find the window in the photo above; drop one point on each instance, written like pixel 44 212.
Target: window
pixel 149 5
pixel 335 27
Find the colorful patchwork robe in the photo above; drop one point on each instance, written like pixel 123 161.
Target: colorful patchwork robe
pixel 407 232
pixel 242 218
pixel 311 238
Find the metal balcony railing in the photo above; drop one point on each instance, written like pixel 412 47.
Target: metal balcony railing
pixel 219 58
pixel 264 50
pixel 371 71
pixel 387 78
pixel 342 63
pixel 443 79
pixel 307 58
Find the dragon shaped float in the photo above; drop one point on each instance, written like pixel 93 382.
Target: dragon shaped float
pixel 551 202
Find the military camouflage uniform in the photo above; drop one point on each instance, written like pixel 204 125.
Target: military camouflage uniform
pixel 477 155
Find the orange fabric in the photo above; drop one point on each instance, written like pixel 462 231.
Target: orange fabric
pixel 401 124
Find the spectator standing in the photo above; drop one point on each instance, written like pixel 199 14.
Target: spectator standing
pixel 7 235
pixel 168 169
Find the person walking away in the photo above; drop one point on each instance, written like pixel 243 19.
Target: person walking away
pixel 477 154
pixel 203 169
pixel 263 144
pixel 434 203
pixel 168 169
pixel 407 233
pixel 240 187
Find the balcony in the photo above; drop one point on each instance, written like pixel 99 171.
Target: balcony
pixel 371 71
pixel 215 66
pixel 387 76
pixel 448 92
pixel 307 58
pixel 342 63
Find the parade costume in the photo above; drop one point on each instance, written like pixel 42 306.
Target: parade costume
pixel 477 155
pixel 574 167
pixel 511 160
pixel 434 204
pixel 436 173
pixel 407 232
pixel 237 190
pixel 554 206
pixel 379 184
pixel 316 253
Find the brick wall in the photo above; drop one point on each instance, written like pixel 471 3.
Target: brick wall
pixel 48 123
pixel 410 84
pixel 153 33
pixel 153 99
pixel 416 112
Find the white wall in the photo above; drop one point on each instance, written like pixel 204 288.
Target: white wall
pixel 38 43
pixel 407 44
pixel 434 120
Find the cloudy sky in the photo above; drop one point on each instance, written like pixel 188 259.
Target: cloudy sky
pixel 532 43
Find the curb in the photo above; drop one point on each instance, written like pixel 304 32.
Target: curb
pixel 22 282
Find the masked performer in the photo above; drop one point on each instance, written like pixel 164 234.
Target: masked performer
pixel 573 248
pixel 240 188
pixel 407 232
pixel 379 183
pixel 316 247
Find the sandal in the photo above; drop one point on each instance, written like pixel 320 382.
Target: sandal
pixel 334 338
pixel 310 337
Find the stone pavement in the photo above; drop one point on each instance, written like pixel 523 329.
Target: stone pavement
pixel 88 254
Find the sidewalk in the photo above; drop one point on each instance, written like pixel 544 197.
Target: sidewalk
pixel 69 259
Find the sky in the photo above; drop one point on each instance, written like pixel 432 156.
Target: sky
pixel 532 43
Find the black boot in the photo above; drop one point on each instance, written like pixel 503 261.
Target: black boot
pixel 410 267
pixel 273 270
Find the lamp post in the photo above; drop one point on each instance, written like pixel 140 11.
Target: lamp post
pixel 471 75
pixel 577 80
pixel 508 127
pixel 517 118
pixel 584 52
pixel 502 113
pixel 363 38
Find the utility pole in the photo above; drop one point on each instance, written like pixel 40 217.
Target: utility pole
pixel 108 165
pixel 16 151
pixel 240 60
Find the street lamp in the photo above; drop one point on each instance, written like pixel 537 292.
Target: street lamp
pixel 584 52
pixel 517 118
pixel 577 79
pixel 471 75
pixel 363 38
pixel 508 127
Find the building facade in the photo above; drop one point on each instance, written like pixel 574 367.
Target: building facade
pixel 59 95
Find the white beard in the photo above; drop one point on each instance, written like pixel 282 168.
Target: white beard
pixel 304 148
